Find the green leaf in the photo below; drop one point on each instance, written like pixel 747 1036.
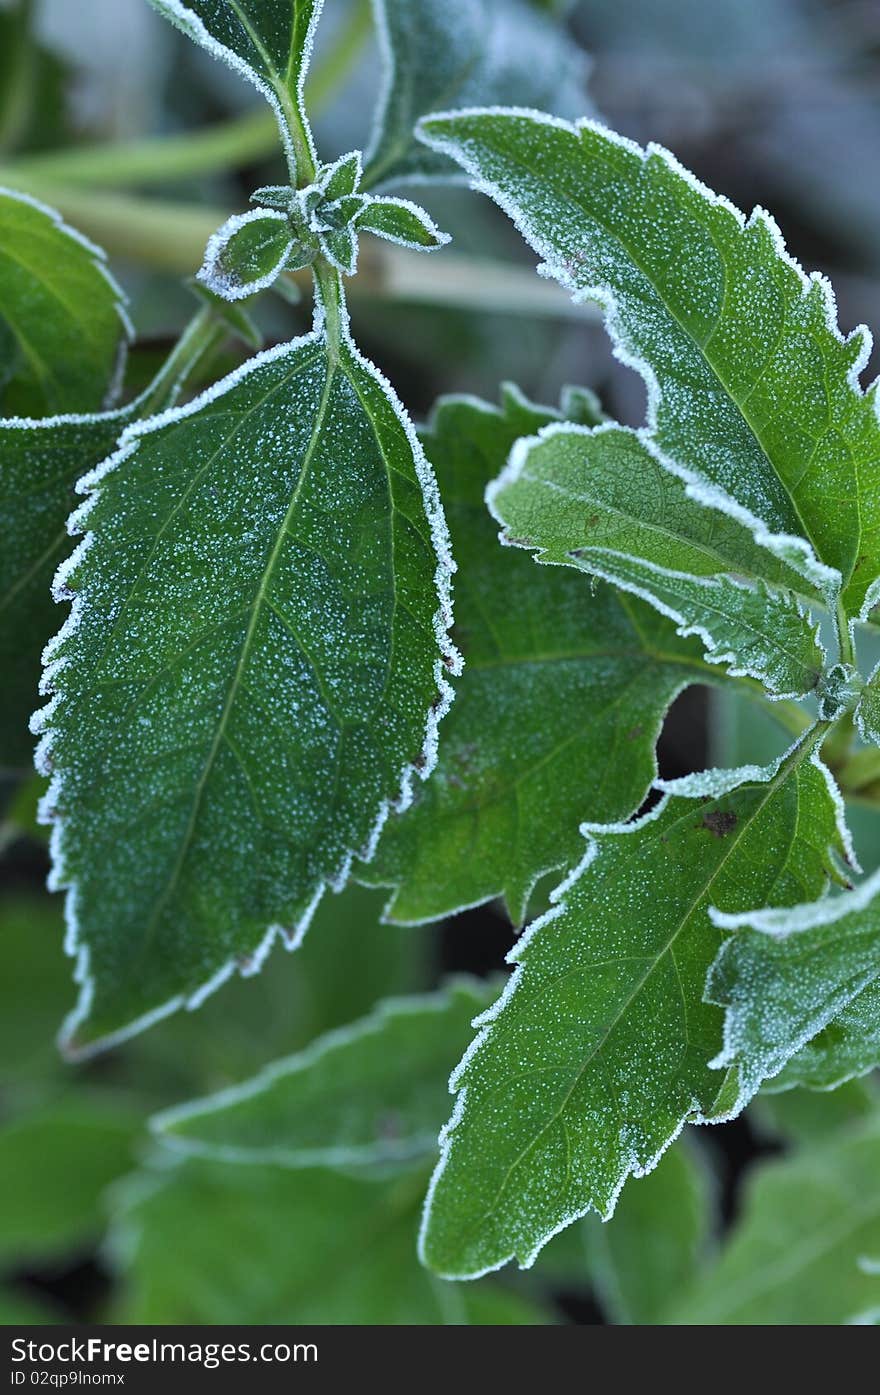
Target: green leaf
pixel 657 1241
pixel 247 254
pixel 867 713
pixel 213 1243
pixel 818 968
pixel 571 488
pixel 34 986
pixel 456 54
pixel 340 247
pixel 810 1115
pixel 54 1166
pixel 63 327
pixel 558 711
pixel 251 674
pixel 754 396
pixel 374 1092
pixel 806 1248
pixel 606 1010
pixel 756 633
pixel 599 501
pixel 269 42
pixel 343 177
pixel 845 1049
pixel 403 222
pixel 41 462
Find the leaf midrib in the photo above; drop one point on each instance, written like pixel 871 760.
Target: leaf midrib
pixel 255 612
pixel 595 215
pixel 655 529
pixel 653 964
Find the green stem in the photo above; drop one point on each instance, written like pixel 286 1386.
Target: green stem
pixel 217 149
pixel 844 636
pixel 204 333
pixel 171 237
pixel 158 159
pixel 328 287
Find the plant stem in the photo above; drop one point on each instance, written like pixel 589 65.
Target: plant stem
pixel 328 288
pixel 844 635
pixel 229 145
pixel 204 333
pixel 171 236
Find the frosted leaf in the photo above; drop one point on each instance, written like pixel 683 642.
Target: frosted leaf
pixel 372 1093
pixel 847 1048
pixel 571 487
pixel 606 1015
pixel 867 713
pixel 63 326
pixel 455 54
pixel 599 501
pixel 754 393
pixel 252 672
pixel 195 1239
pixel 247 254
pixel 322 218
pixel 558 710
pixel 755 632
pixel 398 220
pixel 269 42
pixel 41 463
pixel 797 1253
pixel 806 975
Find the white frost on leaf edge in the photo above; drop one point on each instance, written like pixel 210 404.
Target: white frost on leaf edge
pixel 781 923
pixel 479 404
pixel 449 662
pixel 441 238
pixel 518 460
pixel 99 262
pixel 713 655
pixel 511 474
pixel 713 783
pixel 794 550
pixel 370 1025
pixel 185 19
pixel 214 278
pixel 870 737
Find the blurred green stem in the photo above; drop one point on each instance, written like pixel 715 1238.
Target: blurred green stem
pixel 193 154
pixel 170 236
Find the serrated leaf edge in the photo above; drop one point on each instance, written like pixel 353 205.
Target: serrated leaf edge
pixel 389 1010
pixel 794 550
pixel 449 662
pixel 712 782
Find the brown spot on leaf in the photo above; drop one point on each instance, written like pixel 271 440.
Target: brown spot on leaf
pixel 718 823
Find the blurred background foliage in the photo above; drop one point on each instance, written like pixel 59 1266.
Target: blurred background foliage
pixel 146 144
